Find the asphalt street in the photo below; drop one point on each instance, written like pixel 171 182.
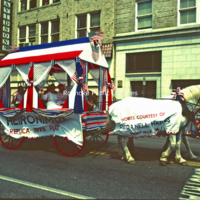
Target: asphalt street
pixel 38 170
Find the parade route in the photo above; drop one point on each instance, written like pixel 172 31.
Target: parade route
pixel 38 170
pixel 41 187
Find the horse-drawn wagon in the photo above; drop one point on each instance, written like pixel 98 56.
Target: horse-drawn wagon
pixel 70 123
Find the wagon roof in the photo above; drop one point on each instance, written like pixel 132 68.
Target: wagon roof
pixel 63 50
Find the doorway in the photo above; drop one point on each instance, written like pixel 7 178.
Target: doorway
pixel 150 88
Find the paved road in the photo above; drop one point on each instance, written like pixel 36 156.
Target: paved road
pixel 38 170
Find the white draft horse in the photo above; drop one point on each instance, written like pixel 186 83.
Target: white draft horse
pixel 190 107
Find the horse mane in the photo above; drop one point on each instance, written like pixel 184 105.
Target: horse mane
pixel 192 95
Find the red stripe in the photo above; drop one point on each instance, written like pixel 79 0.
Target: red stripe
pixel 65 105
pixel 43 58
pixel 1 104
pixel 95 114
pixel 21 105
pixel 93 123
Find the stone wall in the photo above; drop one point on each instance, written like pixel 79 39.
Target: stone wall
pixel 66 10
pixel 164 15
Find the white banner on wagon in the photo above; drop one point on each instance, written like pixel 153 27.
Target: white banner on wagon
pixel 33 125
pixel 139 117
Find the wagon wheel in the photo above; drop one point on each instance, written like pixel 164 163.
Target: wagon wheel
pixel 67 147
pixel 9 142
pixel 98 140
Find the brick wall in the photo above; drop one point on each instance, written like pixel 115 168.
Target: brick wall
pixel 125 16
pixel 66 10
pixel 164 14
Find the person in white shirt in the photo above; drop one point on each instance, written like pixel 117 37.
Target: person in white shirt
pixel 61 95
pixel 50 97
pixel 18 96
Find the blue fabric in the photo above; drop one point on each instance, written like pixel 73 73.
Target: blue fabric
pixel 100 89
pixel 6 94
pixel 55 44
pixel 78 106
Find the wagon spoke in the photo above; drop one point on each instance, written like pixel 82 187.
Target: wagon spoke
pixel 16 143
pixel 5 138
pixel 61 142
pixel 78 147
pixel 9 141
pixel 90 139
pixel 97 140
pixel 64 147
pixel 73 149
pixel 100 137
pixel 70 149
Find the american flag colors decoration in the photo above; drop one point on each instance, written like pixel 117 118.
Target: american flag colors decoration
pixel 94 120
pixel 95 51
pixel 12 48
pixel 63 54
pixel 177 93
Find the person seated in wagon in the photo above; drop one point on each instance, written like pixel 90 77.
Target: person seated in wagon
pixel 50 97
pixel 61 95
pixel 18 96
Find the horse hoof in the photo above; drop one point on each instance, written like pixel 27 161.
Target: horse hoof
pixel 162 163
pixel 132 162
pixel 183 163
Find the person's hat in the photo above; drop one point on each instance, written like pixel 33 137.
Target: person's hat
pixel 60 86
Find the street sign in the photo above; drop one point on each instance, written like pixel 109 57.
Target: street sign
pixel 144 81
pixel 119 84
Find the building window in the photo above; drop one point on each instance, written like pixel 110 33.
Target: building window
pixel 86 23
pixel 187 12
pixel 27 35
pixel 23 5
pixel 82 26
pixel 22 36
pixel 45 2
pixel 143 62
pixel 143 15
pixel 44 33
pixel 50 31
pixel 55 29
pixel 27 4
pixel 32 4
pixel 32 33
pixel 95 22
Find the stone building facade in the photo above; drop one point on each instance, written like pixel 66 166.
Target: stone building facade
pixel 158 40
pixel 44 21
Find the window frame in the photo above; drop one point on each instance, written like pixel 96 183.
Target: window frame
pixel 197 7
pixel 20 5
pixel 88 23
pixel 49 34
pixel 136 15
pixel 134 67
pixel 56 33
pixel 30 4
pixel 50 2
pixel 27 38
pixel 40 4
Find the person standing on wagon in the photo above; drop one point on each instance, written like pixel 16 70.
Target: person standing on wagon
pixel 18 96
pixel 61 96
pixel 50 97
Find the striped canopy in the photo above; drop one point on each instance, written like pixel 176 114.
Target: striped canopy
pixel 63 50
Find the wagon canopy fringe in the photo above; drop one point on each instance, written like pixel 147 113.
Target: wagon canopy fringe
pixel 12 112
